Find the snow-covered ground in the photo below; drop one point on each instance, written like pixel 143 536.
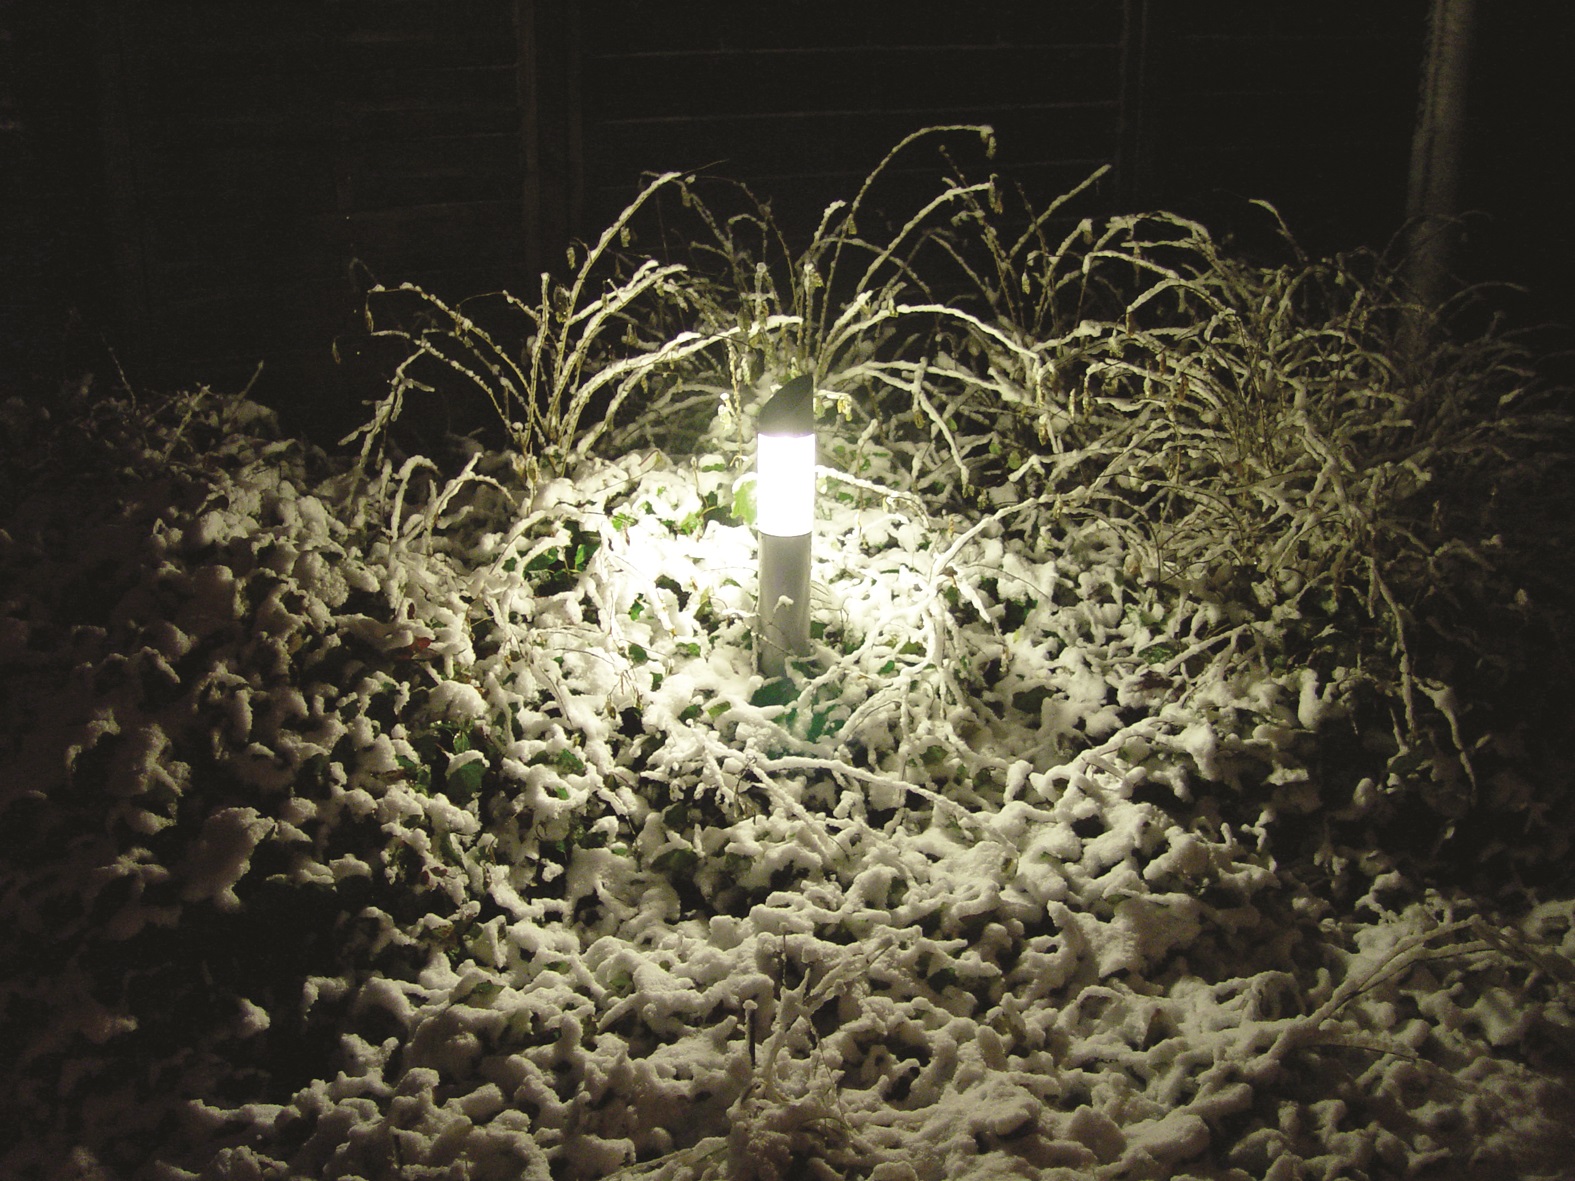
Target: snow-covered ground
pixel 357 829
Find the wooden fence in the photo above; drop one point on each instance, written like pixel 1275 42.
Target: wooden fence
pixel 260 163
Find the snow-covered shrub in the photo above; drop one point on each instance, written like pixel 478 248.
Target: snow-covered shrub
pixel 1260 436
pixel 423 816
pixel 555 372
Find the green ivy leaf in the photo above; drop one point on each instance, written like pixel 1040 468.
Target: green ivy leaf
pixel 1015 613
pixel 778 691
pixel 465 779
pixel 1030 700
pixel 745 508
pixel 820 723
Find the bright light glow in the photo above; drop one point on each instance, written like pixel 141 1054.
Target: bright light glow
pixel 785 484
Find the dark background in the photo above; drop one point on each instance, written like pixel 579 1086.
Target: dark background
pixel 200 186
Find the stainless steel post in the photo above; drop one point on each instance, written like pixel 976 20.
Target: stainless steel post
pixel 783 627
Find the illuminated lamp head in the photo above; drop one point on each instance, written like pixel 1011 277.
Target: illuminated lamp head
pixel 784 515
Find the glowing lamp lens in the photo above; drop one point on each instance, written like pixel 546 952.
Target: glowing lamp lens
pixel 785 484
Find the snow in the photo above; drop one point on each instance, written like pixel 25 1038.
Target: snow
pixel 475 847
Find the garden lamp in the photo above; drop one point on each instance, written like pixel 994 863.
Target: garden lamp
pixel 784 514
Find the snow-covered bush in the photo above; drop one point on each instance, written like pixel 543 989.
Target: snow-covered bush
pixel 1257 434
pixel 423 815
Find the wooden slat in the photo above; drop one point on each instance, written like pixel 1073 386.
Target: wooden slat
pixel 1291 65
pixel 459 89
pixel 822 143
pixel 175 30
pixel 714 83
pixel 431 170
pixel 434 237
pixel 424 20
pixel 1255 20
pixel 217 327
pixel 451 48
pixel 360 124
pixel 646 25
pixel 1265 119
pixel 799 199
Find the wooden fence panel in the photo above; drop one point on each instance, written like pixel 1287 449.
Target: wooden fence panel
pixel 1307 106
pixel 262 160
pixel 802 100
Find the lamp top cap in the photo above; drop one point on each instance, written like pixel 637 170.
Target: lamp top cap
pixel 791 410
